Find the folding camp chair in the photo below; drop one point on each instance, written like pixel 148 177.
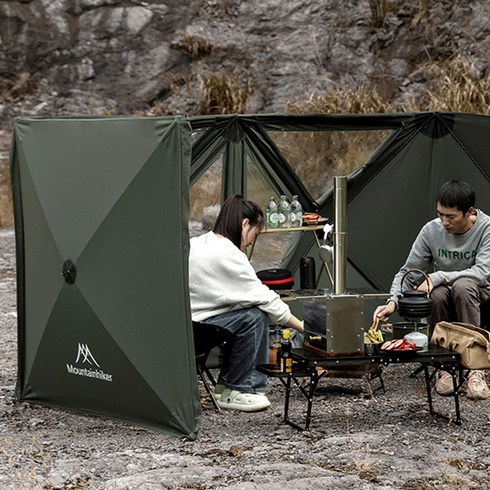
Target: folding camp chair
pixel 206 338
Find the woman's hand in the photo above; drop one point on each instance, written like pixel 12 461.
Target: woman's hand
pixel 296 324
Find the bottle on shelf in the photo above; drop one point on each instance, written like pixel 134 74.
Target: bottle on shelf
pixel 296 212
pixel 284 212
pixel 275 349
pixel 272 215
pixel 286 361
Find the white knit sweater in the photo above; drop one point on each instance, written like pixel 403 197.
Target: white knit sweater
pixel 221 279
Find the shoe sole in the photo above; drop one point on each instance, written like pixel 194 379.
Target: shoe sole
pixel 257 407
pixel 445 393
pixel 477 396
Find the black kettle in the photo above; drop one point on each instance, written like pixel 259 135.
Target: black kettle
pixel 414 305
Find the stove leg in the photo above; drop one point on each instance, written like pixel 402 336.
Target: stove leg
pixel 313 382
pixel 287 385
pixel 428 387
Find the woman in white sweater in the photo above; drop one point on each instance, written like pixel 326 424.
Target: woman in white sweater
pixel 225 291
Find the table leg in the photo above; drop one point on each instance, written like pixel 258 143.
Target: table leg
pixel 307 393
pixel 454 372
pixel 287 385
pixel 456 387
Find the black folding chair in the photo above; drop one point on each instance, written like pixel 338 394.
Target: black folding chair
pixel 206 338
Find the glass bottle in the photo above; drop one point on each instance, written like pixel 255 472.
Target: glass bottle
pixel 286 361
pixel 296 212
pixel 275 349
pixel 284 212
pixel 272 216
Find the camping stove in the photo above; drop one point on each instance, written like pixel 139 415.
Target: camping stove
pixel 334 322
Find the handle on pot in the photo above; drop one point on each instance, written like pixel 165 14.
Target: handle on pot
pixel 421 272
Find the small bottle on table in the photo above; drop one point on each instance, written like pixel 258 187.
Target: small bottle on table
pixel 286 361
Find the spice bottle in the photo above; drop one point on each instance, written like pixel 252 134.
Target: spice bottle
pixel 275 349
pixel 286 361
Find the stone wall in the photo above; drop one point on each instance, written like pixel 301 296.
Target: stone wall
pixel 60 57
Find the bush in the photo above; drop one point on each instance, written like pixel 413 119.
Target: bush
pixel 223 94
pixel 6 209
pixel 455 85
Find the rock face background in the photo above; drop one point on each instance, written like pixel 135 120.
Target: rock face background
pixel 70 57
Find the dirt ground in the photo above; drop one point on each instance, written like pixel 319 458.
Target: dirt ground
pixel 389 441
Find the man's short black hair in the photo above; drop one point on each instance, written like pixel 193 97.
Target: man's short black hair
pixel 456 194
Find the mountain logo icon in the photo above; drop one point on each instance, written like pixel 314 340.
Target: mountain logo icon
pixel 84 355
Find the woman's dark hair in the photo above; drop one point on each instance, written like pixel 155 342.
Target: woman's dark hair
pixel 234 210
pixel 456 194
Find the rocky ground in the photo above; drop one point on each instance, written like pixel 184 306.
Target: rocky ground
pixel 387 442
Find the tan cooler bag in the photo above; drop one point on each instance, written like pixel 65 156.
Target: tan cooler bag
pixel 472 343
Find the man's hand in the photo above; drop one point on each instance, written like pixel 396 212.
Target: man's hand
pixel 383 312
pixel 426 287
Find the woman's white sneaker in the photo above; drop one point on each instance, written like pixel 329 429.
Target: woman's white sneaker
pixel 245 402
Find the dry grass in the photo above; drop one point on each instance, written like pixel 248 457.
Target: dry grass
pixel 14 85
pixel 6 209
pixel 379 9
pixel 197 46
pixel 366 466
pixel 225 94
pixel 362 99
pixel 455 85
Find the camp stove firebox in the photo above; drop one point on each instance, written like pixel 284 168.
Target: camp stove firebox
pixel 334 325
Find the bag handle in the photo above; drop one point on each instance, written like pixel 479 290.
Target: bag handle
pixel 474 328
pixel 484 333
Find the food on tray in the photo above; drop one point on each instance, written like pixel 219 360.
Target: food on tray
pixel 399 344
pixel 311 218
pixel 373 335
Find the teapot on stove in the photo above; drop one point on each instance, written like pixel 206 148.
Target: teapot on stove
pixel 414 305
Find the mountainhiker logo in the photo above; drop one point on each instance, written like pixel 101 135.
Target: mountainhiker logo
pixel 84 357
pixel 84 351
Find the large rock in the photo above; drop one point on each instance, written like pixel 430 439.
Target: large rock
pixel 62 57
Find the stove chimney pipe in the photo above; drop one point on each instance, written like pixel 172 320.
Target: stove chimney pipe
pixel 340 235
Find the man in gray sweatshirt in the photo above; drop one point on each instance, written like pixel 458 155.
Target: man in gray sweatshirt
pixel 454 250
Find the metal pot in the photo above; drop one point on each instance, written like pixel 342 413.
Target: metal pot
pixel 414 305
pixel 402 328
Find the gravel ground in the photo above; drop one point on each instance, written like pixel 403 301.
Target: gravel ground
pixel 386 442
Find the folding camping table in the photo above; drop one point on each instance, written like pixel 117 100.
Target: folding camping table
pixel 313 367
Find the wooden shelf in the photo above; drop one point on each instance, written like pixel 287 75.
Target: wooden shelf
pixel 295 228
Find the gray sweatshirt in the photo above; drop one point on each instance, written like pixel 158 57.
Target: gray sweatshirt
pixel 446 257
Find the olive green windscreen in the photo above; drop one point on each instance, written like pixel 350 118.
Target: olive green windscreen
pixel 101 207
